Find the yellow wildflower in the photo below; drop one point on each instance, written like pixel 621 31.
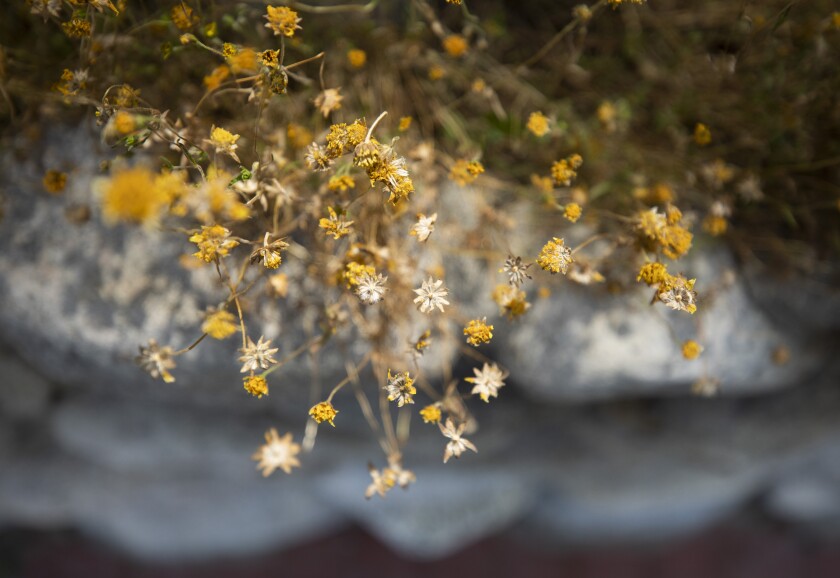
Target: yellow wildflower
pixel 229 49
pixel 400 388
pixel 279 284
pixel 245 60
pixel 715 225
pixel 538 124
pixel 183 16
pixel 436 72
pixel 607 115
pixel 341 184
pixel 323 412
pixel 213 80
pixel 124 122
pixel 555 257
pixel 356 58
pixel 563 171
pixel 354 271
pixel 455 45
pixel 678 293
pixel 465 172
pixel 219 324
pixel 335 225
pixel 691 349
pixel 213 241
pixel 405 123
pixel 702 134
pixel 224 141
pixel 572 212
pixel 54 181
pixel 652 273
pixel 512 300
pixel 282 20
pixel 430 414
pixel 256 385
pixel 131 196
pixel 76 28
pixel 478 332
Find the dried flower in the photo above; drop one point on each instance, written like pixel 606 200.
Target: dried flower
pixel 457 445
pixel 516 270
pixel 381 482
pixel 317 158
pixel 678 293
pixel 400 388
pixel 328 101
pixel 323 412
pixel 512 300
pixel 487 381
pixel 269 253
pixel 478 332
pixel 277 453
pixel 424 227
pixel 371 288
pixel 76 28
pixel 256 385
pixel 555 257
pixel 431 294
pixel 156 361
pixel 257 355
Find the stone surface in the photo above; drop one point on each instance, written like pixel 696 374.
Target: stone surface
pixel 164 471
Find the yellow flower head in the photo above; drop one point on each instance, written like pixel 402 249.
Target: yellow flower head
pixel 538 124
pixel 405 123
pixel 572 212
pixel 245 60
pixel 555 257
pixel 131 196
pixel 702 134
pixel 282 20
pixel 335 225
pixel 715 225
pixel 430 414
pixel 478 332
pixel 356 58
pixel 455 45
pixel 323 412
pixel 255 385
pixel 183 16
pixel 465 172
pixel 652 273
pixel 564 171
pixel 354 271
pixel 341 184
pixel 76 28
pixel 213 241
pixel 219 324
pixel 691 349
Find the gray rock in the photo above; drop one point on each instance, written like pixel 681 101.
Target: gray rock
pixel 582 344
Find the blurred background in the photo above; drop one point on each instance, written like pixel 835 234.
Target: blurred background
pixel 607 454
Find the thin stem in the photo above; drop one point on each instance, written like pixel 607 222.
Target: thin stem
pixel 373 126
